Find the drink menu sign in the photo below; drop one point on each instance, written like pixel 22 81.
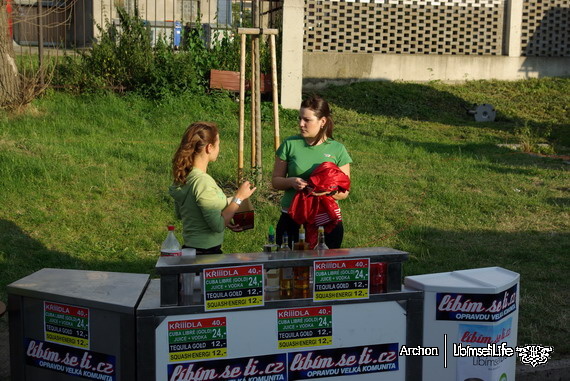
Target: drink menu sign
pixel 341 279
pixel 197 339
pixel 304 327
pixel 67 325
pixel 233 287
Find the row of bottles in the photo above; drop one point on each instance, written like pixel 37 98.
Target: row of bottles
pixel 291 282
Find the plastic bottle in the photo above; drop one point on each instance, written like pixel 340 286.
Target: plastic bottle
pixel 170 246
pixel 270 246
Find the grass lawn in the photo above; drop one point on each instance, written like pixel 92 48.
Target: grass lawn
pixel 83 183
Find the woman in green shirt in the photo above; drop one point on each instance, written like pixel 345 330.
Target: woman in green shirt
pixel 198 200
pixel 299 155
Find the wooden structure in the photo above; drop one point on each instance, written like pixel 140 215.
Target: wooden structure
pixel 230 81
pixel 255 85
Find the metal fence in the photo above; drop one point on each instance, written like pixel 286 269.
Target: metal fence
pixel 49 27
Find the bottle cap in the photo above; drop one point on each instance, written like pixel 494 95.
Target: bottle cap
pixel 170 227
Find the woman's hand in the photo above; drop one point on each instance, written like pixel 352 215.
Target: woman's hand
pixel 297 183
pixel 245 190
pixel 235 228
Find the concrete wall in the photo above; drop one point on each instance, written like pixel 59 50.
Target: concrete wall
pixel 321 69
pixel 315 69
pixel 292 53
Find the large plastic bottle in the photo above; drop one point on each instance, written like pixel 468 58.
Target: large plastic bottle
pixel 170 246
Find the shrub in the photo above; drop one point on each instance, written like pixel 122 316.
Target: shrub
pixel 124 59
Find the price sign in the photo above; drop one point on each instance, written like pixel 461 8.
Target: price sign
pixel 197 339
pixel 304 327
pixel 67 325
pixel 341 279
pixel 233 287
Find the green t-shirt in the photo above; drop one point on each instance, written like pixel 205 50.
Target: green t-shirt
pixel 199 203
pixel 302 159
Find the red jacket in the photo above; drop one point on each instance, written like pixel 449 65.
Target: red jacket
pixel 314 211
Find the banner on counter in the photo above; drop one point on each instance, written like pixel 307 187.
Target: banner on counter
pixel 304 327
pixel 255 368
pixel 476 307
pixel 497 366
pixel 343 361
pixel 292 366
pixel 197 339
pixel 71 361
pixel 233 287
pixel 67 325
pixel 342 279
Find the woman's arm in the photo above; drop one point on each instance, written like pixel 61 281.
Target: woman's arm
pixel 342 195
pixel 279 180
pixel 243 192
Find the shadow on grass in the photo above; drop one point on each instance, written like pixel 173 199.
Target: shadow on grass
pixel 540 257
pixel 401 100
pixel 544 253
pixel 24 255
pixel 491 157
pixel 423 102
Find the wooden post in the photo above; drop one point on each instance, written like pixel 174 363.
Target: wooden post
pixel 258 161
pixel 252 85
pixel 255 87
pixel 275 93
pixel 241 108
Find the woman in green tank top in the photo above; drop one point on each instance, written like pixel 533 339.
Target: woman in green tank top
pixel 299 155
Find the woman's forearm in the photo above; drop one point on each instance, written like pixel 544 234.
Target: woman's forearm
pixel 229 212
pixel 281 183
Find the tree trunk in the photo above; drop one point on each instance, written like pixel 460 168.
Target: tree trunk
pixel 9 78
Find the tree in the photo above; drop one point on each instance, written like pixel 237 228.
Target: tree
pixel 10 81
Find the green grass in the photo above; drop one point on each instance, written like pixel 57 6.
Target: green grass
pixel 83 183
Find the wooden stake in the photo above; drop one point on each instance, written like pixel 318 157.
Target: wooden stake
pixel 252 86
pixel 241 108
pixel 275 91
pixel 258 161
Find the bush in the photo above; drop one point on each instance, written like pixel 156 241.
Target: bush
pixel 124 59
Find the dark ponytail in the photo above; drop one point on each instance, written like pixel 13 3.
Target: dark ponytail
pixel 322 110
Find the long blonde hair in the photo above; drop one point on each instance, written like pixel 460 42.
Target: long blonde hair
pixel 196 137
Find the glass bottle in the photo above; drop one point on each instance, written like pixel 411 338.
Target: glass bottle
pixel 285 273
pixel 321 245
pixel 271 275
pixel 301 274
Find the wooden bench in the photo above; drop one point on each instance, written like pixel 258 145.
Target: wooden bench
pixel 229 80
